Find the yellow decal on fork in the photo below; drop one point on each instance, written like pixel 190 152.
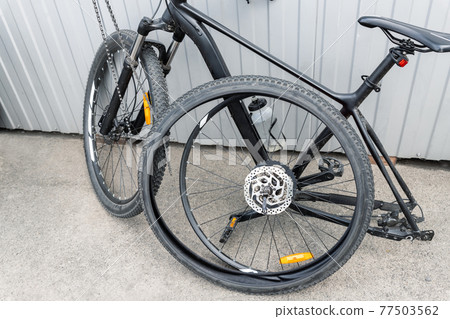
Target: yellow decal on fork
pixel 147 103
pixel 295 258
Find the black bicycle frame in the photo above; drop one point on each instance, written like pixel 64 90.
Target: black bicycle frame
pixel 183 18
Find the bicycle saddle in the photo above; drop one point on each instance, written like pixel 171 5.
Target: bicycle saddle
pixel 434 40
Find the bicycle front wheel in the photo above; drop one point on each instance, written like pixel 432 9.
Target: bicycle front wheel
pixel 260 226
pixel 112 160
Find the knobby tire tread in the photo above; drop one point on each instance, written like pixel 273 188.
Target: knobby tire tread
pixel 324 105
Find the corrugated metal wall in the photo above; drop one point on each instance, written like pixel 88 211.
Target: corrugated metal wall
pixel 46 47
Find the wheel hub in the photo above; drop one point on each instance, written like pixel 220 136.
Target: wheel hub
pixel 269 189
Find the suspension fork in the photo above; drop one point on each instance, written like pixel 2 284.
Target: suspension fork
pixel 129 64
pixel 146 25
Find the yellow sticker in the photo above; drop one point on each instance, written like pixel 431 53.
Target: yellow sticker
pixel 148 117
pixel 295 258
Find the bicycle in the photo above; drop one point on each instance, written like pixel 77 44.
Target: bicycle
pixel 274 201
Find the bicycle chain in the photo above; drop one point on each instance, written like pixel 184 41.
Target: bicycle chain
pixel 116 26
pixel 122 45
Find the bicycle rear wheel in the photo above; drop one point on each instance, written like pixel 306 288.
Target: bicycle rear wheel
pixel 260 227
pixel 112 160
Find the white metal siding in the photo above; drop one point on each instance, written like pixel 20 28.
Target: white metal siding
pixel 46 48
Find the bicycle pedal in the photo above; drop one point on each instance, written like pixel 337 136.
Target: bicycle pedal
pixel 228 230
pixel 332 165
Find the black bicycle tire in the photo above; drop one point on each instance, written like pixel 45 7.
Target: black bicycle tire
pixel 157 82
pixel 237 280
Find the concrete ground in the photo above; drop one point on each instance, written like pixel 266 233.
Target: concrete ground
pixel 57 242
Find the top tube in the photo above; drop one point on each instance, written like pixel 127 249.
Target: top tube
pixel 347 100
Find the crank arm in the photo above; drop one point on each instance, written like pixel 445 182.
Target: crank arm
pixel 329 168
pixel 314 179
pixel 234 220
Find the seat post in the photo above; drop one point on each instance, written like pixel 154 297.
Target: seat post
pixel 353 100
pixel 371 82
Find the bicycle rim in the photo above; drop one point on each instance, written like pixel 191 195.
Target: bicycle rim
pixel 287 237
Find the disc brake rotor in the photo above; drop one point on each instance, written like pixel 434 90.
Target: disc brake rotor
pixel 269 189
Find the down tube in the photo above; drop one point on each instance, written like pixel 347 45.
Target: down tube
pixel 218 69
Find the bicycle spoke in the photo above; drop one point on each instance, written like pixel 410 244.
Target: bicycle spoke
pixel 129 171
pixel 220 131
pixel 107 161
pixel 236 136
pixel 208 171
pixel 321 230
pixel 298 137
pixel 243 235
pixel 333 184
pixel 214 200
pixel 221 216
pixel 212 190
pixel 270 246
pixel 209 182
pixel 311 226
pixel 259 241
pixel 284 121
pixel 331 188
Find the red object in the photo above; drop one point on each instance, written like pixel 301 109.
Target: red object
pixel 402 63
